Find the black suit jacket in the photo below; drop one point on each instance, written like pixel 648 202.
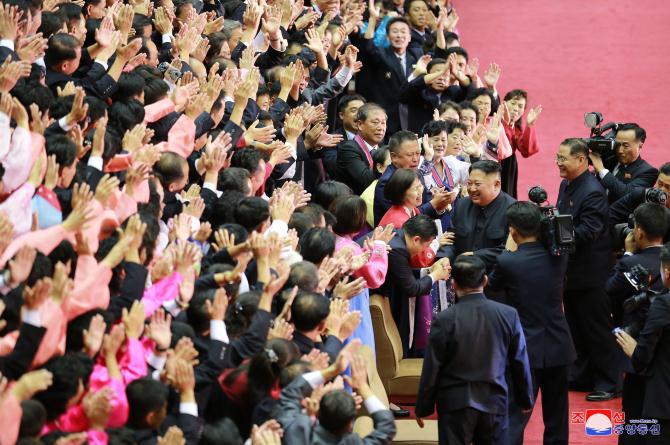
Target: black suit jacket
pixel 486 236
pixel 532 280
pixel 353 167
pixel 472 345
pixel 652 354
pixel 382 77
pixel 401 284
pixel 639 173
pixel 618 287
pixel 332 345
pixel 17 362
pixel 96 82
pixel 423 100
pixel 584 198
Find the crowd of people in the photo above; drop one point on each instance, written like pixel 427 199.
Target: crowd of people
pixel 198 198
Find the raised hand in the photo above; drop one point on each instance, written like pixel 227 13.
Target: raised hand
pixel 533 114
pixel 173 436
pixel 35 296
pixel 11 72
pixel 31 383
pixel 281 329
pixel 492 75
pixel 94 335
pixel 133 320
pixel 159 329
pixel 38 121
pixel 217 307
pixel 107 185
pixel 21 265
pixel 346 289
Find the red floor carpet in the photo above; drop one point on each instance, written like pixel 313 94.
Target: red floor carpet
pixel 575 56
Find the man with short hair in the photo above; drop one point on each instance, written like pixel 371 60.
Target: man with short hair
pixel 386 70
pixel 472 345
pixel 309 312
pixel 405 153
pixel 651 354
pixel 643 246
pixel 354 165
pixel 587 307
pixel 623 207
pixel 531 280
pixel 631 171
pixel 479 222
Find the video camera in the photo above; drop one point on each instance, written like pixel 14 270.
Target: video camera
pixel 642 280
pixel 602 140
pixel 557 231
pixel 621 231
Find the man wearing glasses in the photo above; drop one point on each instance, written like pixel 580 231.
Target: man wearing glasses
pixel 631 171
pixel 587 307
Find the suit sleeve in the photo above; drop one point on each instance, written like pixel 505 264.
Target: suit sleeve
pixel 350 166
pixel 657 319
pixel 619 188
pixel 617 285
pixel 408 285
pixel 593 213
pixel 384 428
pixel 14 365
pixel 410 92
pixel 497 278
pixel 624 206
pixel 432 362
pixel 519 367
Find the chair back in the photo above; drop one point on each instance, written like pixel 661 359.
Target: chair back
pixel 387 338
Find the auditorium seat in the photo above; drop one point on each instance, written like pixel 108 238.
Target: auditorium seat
pixel 400 376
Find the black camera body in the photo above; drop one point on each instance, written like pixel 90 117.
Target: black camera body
pixel 642 280
pixel 602 140
pixel 621 231
pixel 557 231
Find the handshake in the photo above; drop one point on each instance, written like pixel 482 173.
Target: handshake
pixel 441 270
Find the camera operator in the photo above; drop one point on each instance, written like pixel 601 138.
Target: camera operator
pixel 586 304
pixel 650 355
pixel 631 171
pixel 623 207
pixel 532 281
pixel 642 245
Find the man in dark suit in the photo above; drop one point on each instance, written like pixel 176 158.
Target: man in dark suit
pixel 425 93
pixel 651 354
pixel 385 70
pixel 472 345
pixel 643 246
pixel 532 280
pixel 479 221
pixel 401 282
pixel 309 313
pixel 337 409
pixel 405 153
pixel 355 166
pixel 587 307
pixel 623 207
pixel 631 171
pixel 347 112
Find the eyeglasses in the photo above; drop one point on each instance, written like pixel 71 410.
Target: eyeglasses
pixel 561 159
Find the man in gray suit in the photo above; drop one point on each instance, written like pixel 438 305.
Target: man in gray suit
pixel 337 409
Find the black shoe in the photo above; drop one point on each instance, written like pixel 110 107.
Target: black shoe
pixel 400 412
pixel 600 396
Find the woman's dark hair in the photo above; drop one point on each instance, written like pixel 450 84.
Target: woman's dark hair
pixel 434 128
pixel 75 328
pixel 33 418
pixel 316 244
pixel 240 313
pixel 145 396
pixel 68 372
pixel 350 212
pixel 221 432
pixel 124 115
pixel 327 191
pixel 379 158
pixel 467 105
pixel 483 92
pixel 265 367
pixel 129 86
pixel 401 180
pixel 52 22
pixel 449 105
pixel 64 253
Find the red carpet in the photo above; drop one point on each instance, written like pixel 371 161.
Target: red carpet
pixel 575 56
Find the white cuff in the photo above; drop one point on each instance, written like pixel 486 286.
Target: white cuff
pixel 156 375
pixel 373 404
pixel 217 331
pixel 40 62
pixel 158 363
pixel 344 75
pixel 7 43
pixel 228 99
pixel 602 173
pixel 188 408
pixel 166 38
pixel 212 187
pixel 103 63
pixel 95 162
pixel 32 317
pixel 62 122
pixel 314 378
pixel 172 307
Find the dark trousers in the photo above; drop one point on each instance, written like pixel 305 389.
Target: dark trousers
pixel 470 426
pixel 588 314
pixel 553 382
pixel 632 401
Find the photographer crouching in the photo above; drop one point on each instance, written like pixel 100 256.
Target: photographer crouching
pixel 628 287
pixel 650 354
